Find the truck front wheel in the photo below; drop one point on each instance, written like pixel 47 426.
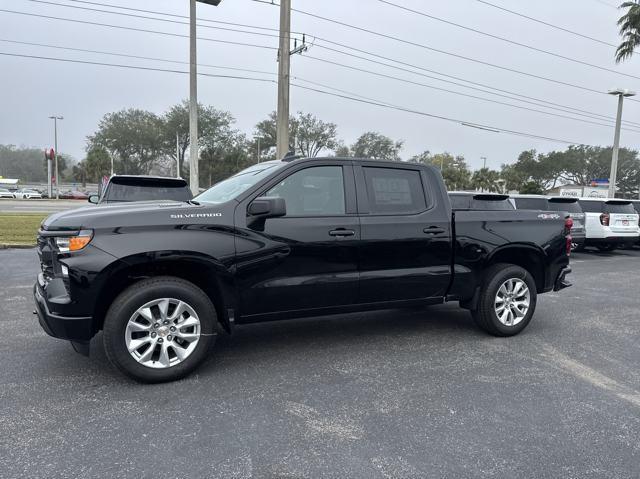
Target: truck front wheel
pixel 159 329
pixel 507 300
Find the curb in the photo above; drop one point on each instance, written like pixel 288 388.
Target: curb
pixel 16 246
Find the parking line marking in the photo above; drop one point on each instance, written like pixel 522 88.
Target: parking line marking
pixel 592 376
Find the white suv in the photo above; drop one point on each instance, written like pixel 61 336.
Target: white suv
pixel 610 223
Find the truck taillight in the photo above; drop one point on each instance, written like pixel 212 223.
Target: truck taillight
pixel 604 219
pixel 568 224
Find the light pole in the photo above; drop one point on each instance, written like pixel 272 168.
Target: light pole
pixel 55 148
pixel 193 95
pixel 620 93
pixel 484 162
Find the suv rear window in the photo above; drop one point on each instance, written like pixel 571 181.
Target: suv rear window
pixel 564 205
pixel 394 191
pixel 459 202
pixel 591 206
pixel 501 205
pixel 147 191
pixel 531 203
pixel 619 207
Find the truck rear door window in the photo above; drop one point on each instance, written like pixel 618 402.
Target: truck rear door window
pixel 394 191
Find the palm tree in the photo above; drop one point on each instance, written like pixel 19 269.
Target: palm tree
pixel 629 25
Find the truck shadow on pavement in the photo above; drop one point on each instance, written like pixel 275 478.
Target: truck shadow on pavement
pixel 299 339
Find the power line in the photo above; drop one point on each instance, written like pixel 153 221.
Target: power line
pixel 319 38
pixel 175 15
pixel 464 94
pixel 516 96
pixel 445 118
pixel 141 57
pixel 507 40
pixel 157 19
pixel 443 52
pixel 542 22
pixel 138 57
pixel 133 67
pixel 344 96
pixel 121 27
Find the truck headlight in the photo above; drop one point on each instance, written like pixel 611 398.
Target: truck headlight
pixel 68 244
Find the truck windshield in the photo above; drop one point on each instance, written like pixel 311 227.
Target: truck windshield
pixel 237 184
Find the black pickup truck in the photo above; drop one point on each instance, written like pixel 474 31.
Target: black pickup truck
pixel 284 239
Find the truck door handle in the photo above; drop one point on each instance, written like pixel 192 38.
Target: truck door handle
pixel 341 232
pixel 433 230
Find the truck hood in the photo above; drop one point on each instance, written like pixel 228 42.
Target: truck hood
pixel 135 214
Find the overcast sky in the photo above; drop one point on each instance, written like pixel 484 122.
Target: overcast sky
pixel 34 89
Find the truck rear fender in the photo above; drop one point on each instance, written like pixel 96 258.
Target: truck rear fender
pixel 528 256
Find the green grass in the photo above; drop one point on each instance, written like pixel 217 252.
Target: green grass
pixel 19 229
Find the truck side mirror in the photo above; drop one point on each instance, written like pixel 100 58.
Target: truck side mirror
pixel 262 208
pixel 93 199
pixel 266 207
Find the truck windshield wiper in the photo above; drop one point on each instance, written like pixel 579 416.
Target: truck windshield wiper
pixel 193 202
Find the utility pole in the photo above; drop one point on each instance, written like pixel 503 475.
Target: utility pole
pixel 620 93
pixel 484 162
pixel 177 155
pixel 193 95
pixel 284 64
pixel 55 148
pixel 193 102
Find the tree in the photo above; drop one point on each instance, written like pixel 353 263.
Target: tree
pixel 454 170
pixel 531 188
pixel 175 123
pixel 485 179
pixel 22 163
pixel 376 146
pixel 228 155
pixel 308 135
pixel 133 137
pixel 311 135
pixel 629 25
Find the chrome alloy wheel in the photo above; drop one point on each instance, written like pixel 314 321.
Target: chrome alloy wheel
pixel 162 333
pixel 512 301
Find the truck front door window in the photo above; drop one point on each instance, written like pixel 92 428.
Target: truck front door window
pixel 316 191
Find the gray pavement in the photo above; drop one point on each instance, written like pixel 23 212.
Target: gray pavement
pixel 387 394
pixel 39 206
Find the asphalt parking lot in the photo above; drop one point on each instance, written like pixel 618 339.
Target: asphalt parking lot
pixel 388 394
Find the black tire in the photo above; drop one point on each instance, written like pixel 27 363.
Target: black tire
pixel 137 295
pixel 485 315
pixel 606 247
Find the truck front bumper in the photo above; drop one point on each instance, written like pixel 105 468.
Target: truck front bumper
pixel 561 281
pixel 76 328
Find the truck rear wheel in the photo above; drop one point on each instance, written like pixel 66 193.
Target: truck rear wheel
pixel 159 329
pixel 507 300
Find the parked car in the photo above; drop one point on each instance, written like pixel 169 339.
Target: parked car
pixel 466 200
pixel 27 194
pixel 572 207
pixel 78 195
pixel 5 193
pixel 286 239
pixel 126 188
pixel 610 223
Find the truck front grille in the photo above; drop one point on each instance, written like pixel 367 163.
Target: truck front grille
pixel 46 255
